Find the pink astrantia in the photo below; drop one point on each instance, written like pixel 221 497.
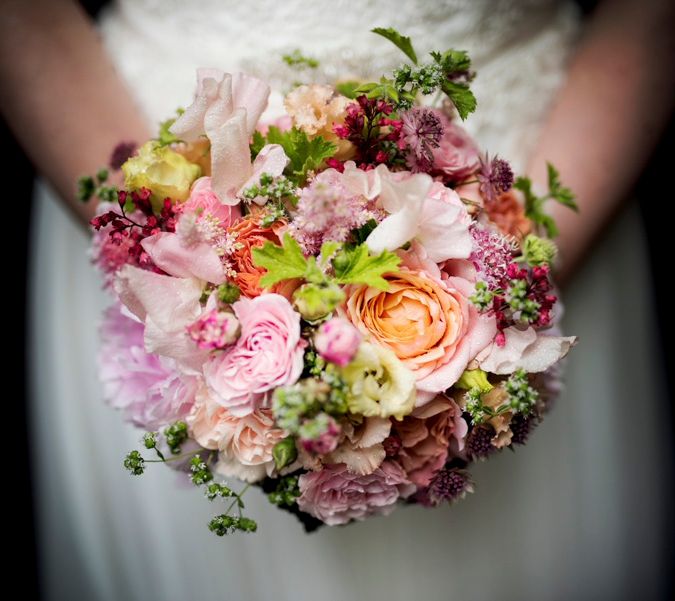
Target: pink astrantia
pixel 337 496
pixel 337 341
pixel 268 354
pixel 148 388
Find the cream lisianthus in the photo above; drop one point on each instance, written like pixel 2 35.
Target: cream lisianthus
pixel 163 171
pixel 379 384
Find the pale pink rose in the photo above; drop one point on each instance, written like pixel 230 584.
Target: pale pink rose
pixel 268 354
pixel 245 443
pixel 335 495
pixel 427 436
pixel 421 209
pixel 428 322
pixel 337 341
pixel 204 204
pixel 457 156
pixel 149 389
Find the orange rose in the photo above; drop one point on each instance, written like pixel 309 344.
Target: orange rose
pixel 250 234
pixel 429 324
pixel 508 214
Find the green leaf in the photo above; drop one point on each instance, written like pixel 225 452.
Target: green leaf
pixel 356 266
pixel 283 262
pixel 557 191
pixel 165 136
pixel 304 154
pixel 363 232
pixel 257 144
pixel 461 96
pixel 402 42
pixel 453 61
pixel 298 60
pixel 347 88
pixel 534 207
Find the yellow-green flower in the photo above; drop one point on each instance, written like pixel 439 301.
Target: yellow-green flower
pixel 379 384
pixel 163 171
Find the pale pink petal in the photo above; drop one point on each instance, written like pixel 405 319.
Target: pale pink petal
pixel 169 253
pixel 398 193
pixel 395 230
pixel 442 231
pixel 230 157
pixel 363 183
pixel 250 93
pixel 362 461
pixel 271 160
pixel 525 349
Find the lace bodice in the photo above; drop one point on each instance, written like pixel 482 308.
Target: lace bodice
pixel 519 49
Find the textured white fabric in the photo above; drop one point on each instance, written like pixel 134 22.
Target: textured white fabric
pixel 574 515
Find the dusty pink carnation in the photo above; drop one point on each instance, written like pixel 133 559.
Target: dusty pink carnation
pixel 337 341
pixel 457 156
pixel 148 388
pixel 268 354
pixel 427 436
pixel 336 496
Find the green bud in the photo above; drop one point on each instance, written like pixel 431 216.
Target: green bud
pixel 175 435
pixel 474 378
pixel 246 524
pixel 284 452
pixel 214 490
pixel 316 301
pixel 102 175
pixel 85 188
pixel 135 463
pixel 538 251
pixel 150 440
pixel 228 293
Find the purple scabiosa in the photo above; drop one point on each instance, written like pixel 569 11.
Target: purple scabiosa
pixel 421 131
pixel 492 255
pixel 479 441
pixel 521 426
pixel 495 177
pixel 449 484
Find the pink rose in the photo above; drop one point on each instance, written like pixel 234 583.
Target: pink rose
pixel 427 436
pixel 268 354
pixel 204 204
pixel 337 341
pixel 336 496
pixel 214 329
pixel 457 155
pixel 245 443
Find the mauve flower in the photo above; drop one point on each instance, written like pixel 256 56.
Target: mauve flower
pixel 508 214
pixel 457 155
pixel 268 354
pixel 337 341
pixel 149 389
pixel 421 131
pixel 335 496
pixel 427 436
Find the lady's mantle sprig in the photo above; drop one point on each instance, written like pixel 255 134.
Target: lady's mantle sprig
pixel 200 474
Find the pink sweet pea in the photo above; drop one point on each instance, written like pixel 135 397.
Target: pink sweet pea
pixel 424 210
pixel 268 354
pixel 226 108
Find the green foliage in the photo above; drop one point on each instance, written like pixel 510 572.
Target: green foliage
pixel 534 205
pixel 284 452
pixel 228 293
pixel 298 60
pixel 347 88
pixel 176 434
pixel 402 42
pixel 356 265
pixel 461 96
pixel 305 154
pixel 283 262
pixel 165 136
pixel 89 187
pixel 286 492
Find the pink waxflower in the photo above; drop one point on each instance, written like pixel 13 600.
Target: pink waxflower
pixel 335 495
pixel 149 389
pixel 457 155
pixel 268 354
pixel 337 341
pixel 214 330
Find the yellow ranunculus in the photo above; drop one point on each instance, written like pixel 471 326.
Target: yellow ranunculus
pixel 379 384
pixel 163 171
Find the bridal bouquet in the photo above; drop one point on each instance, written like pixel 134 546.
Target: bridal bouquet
pixel 345 306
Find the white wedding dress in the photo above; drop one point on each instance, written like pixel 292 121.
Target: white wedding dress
pixel 575 514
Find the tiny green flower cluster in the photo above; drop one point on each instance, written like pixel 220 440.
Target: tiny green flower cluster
pixel 277 191
pixel 88 186
pixel 286 492
pixel 227 524
pixel 522 397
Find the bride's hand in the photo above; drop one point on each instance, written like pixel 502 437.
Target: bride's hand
pixel 609 115
pixel 60 93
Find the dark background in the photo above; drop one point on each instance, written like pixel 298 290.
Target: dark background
pixel 654 188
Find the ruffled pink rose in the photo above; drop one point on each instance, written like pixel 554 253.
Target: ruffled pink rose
pixel 427 436
pixel 337 341
pixel 336 496
pixel 206 206
pixel 149 389
pixel 245 443
pixel 268 354
pixel 457 156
